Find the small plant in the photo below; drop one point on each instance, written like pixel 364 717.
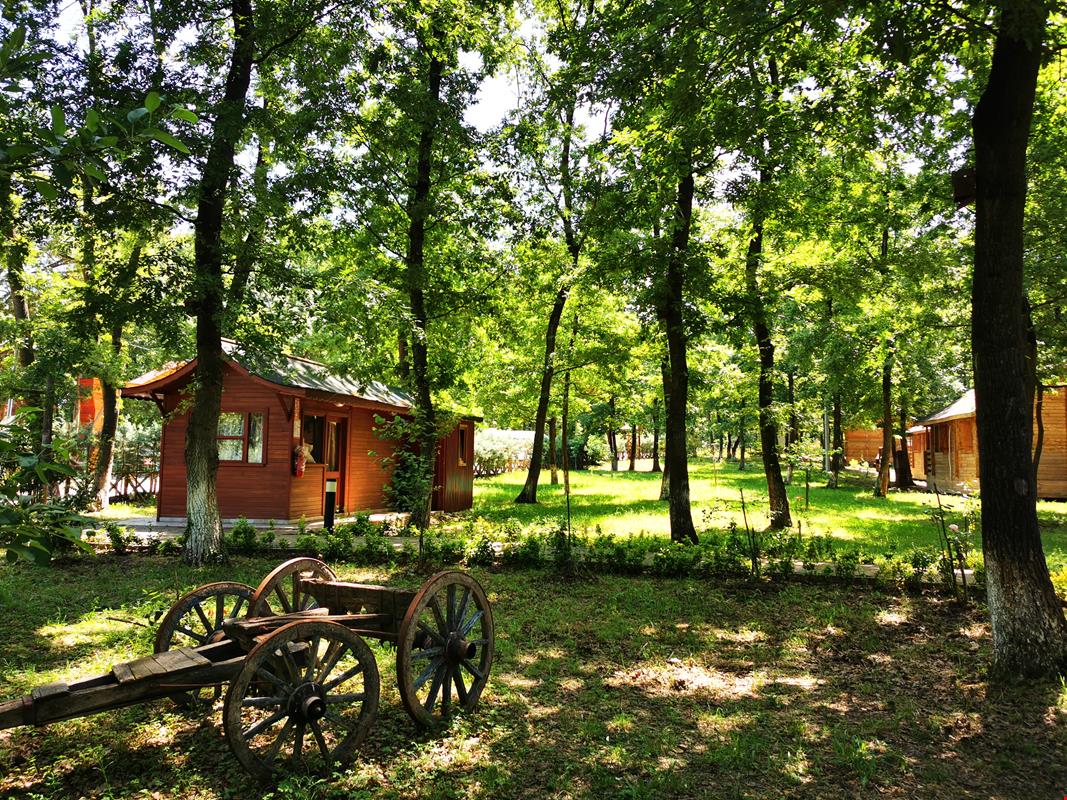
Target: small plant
pixel 244 538
pixel 480 552
pixel 846 565
pixel 337 544
pixel 301 526
pixel 120 537
pixel 306 543
pixel 524 552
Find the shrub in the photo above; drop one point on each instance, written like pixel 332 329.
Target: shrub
pixel 337 545
pixel 846 565
pixel 375 550
pixel 243 538
pixel 522 552
pixel 894 571
pixel 306 543
pixel 675 560
pixel 120 537
pixel 480 552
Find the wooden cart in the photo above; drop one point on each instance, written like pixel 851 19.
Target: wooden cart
pixel 303 684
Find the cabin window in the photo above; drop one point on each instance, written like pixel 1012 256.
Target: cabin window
pixel 240 437
pixel 462 446
pixel 314 435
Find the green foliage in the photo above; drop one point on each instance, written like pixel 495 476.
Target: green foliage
pixel 307 543
pixel 244 539
pixel 32 527
pixel 337 545
pixel 120 537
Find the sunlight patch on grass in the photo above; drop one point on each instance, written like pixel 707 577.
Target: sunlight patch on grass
pixel 891 617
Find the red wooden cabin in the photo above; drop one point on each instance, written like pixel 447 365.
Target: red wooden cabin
pixel 268 414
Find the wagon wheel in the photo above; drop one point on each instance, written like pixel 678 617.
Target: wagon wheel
pixel 445 644
pixel 196 619
pixel 321 702
pixel 280 593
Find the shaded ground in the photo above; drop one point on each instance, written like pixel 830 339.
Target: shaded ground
pixel 630 688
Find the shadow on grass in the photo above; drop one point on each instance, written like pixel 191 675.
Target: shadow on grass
pixel 640 688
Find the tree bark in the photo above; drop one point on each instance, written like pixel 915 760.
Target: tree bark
pixel 904 478
pixel 671 314
pixel 1029 631
pixel 1039 419
pixel 613 442
pixel 778 498
pixel 553 459
pixel 837 458
pixel 204 540
pixel 418 212
pixel 665 375
pixel 655 436
pixel 533 475
pixel 105 455
pixel 881 488
pixel 633 447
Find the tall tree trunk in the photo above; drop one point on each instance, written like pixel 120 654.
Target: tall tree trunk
pixel 533 475
pixel 837 458
pixel 565 410
pixel 729 445
pixel 553 459
pixel 665 375
pixel 671 313
pixel 904 479
pixel 778 498
pixel 106 452
pixel 633 447
pixel 655 436
pixel 881 488
pixel 204 540
pixel 1029 631
pixel 418 212
pixel 613 442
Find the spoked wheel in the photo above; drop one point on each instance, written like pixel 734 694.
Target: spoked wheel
pixel 196 619
pixel 281 593
pixel 320 701
pixel 445 648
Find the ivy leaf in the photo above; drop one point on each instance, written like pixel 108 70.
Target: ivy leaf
pixel 151 102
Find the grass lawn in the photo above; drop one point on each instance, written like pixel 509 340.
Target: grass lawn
pixel 624 503
pixel 613 688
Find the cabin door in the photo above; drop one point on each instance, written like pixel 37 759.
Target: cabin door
pixel 335 455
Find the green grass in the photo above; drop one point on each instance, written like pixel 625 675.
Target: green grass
pixel 613 688
pixel 626 504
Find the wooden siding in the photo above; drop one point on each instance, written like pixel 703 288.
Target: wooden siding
pixel 1052 469
pixel 454 470
pixel 957 470
pixel 257 491
pixel 862 444
pixel 366 479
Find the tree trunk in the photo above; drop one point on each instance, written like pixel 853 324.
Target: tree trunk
pixel 105 455
pixel 533 475
pixel 553 458
pixel 655 436
pixel 671 313
pixel 613 442
pixel 881 488
pixel 204 540
pixel 778 498
pixel 904 479
pixel 729 445
pixel 837 458
pixel 665 375
pixel 1029 631
pixel 633 447
pixel 418 212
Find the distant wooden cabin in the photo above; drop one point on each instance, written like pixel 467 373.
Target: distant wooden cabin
pixel 950 455
pixel 862 445
pixel 268 414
